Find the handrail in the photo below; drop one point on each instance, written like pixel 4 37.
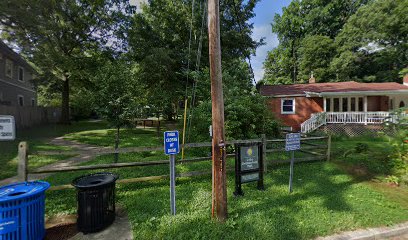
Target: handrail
pixel 319 119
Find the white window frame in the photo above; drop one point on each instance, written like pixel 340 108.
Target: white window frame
pixel 18 75
pixel 293 106
pixel 18 100
pixel 7 62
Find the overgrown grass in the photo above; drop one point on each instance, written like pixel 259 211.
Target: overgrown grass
pixel 38 138
pixel 325 200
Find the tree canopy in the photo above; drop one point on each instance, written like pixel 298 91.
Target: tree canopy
pixel 339 40
pixel 61 37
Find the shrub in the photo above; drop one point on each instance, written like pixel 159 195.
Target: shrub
pixel 245 117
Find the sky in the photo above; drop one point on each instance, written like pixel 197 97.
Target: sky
pixel 265 11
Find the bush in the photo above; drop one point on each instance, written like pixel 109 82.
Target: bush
pixel 245 117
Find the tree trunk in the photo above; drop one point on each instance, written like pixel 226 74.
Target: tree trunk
pixel 65 119
pixel 158 125
pixel 117 145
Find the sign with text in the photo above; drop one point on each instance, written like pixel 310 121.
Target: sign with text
pixel 171 142
pixel 248 165
pixel 249 158
pixel 7 128
pixel 292 142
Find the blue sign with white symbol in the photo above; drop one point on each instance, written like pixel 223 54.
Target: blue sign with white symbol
pixel 292 141
pixel 171 142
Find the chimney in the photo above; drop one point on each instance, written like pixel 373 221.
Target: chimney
pixel 313 80
pixel 405 80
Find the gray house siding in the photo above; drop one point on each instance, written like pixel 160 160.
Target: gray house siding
pixel 13 88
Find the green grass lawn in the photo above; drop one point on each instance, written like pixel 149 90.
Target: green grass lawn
pixel 325 200
pixel 128 137
pixel 38 138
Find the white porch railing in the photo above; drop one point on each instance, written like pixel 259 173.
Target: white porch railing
pixel 320 119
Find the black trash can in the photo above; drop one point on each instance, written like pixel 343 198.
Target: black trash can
pixel 96 201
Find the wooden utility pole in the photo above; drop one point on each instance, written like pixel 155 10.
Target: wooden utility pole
pixel 219 183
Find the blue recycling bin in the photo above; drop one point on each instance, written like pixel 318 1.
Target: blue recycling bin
pixel 22 208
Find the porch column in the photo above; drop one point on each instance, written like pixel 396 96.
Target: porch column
pixel 341 104
pixel 365 110
pixel 324 104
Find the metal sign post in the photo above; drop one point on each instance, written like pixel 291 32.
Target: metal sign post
pixel 292 144
pixel 7 128
pixel 171 148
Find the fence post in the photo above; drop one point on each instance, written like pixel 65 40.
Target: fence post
pixel 328 147
pixel 264 153
pixel 22 161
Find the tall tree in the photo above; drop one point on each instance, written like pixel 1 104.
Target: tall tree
pixel 316 53
pixel 375 42
pixel 298 21
pixel 58 36
pixel 159 41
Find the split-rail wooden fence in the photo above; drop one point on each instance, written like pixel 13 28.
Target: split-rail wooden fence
pixel 312 149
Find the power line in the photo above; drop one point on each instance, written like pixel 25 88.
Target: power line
pixel 198 62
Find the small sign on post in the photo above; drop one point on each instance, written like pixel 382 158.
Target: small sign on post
pixel 171 148
pixel 248 166
pixel 292 144
pixel 7 128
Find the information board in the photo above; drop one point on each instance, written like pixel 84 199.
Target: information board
pixel 7 128
pixel 292 142
pixel 248 166
pixel 249 158
pixel 171 142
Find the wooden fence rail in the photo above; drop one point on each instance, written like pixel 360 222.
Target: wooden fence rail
pixel 23 170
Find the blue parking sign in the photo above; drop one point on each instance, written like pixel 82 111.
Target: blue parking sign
pixel 171 142
pixel 292 141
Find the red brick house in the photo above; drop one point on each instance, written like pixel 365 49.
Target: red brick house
pixel 306 107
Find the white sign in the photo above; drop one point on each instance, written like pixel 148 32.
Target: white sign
pixel 7 128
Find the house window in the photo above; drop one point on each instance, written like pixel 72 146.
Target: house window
pixel 288 106
pixel 328 100
pixel 402 104
pixel 336 105
pixel 353 104
pixel 32 102
pixel 345 105
pixel 361 104
pixel 20 100
pixel 21 74
pixel 9 68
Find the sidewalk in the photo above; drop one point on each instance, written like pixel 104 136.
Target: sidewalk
pixel 397 232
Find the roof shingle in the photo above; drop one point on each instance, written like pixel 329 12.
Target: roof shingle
pixel 352 86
